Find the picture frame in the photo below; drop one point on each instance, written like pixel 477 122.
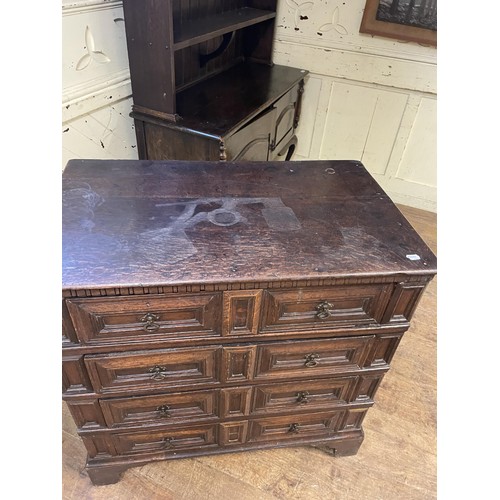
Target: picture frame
pixel 407 32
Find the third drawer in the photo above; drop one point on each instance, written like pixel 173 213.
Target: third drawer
pixel 237 402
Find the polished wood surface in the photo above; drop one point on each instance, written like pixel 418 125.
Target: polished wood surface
pixel 209 292
pixel 128 223
pixel 222 103
pixel 397 459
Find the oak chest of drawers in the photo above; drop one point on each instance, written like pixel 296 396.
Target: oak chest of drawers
pixel 213 307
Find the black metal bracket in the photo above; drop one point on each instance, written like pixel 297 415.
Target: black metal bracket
pixel 226 40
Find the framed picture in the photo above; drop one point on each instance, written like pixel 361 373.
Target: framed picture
pixel 406 20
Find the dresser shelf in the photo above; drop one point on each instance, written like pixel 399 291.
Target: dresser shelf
pixel 188 61
pixel 201 30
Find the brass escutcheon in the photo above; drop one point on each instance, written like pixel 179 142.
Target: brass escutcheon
pixel 168 442
pixel 311 360
pixel 302 397
pixel 164 410
pixel 150 325
pixel 324 310
pixel 157 372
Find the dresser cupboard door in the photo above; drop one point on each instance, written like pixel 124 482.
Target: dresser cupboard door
pixel 285 116
pixel 251 143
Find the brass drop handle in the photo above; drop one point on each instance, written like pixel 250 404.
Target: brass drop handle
pixel 294 428
pixel 324 310
pixel 164 410
pixel 168 442
pixel 302 397
pixel 150 325
pixel 311 360
pixel 157 372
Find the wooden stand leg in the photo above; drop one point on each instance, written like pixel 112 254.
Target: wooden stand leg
pixel 343 448
pixel 105 474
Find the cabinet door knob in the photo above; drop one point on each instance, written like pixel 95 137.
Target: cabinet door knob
pixel 294 428
pixel 150 325
pixel 302 397
pixel 157 372
pixel 164 410
pixel 311 360
pixel 324 310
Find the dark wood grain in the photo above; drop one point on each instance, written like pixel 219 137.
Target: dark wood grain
pixel 402 419
pixel 225 101
pixel 128 223
pixel 150 52
pixel 207 359
pixel 217 25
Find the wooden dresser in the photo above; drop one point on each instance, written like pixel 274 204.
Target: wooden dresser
pixel 214 307
pixel 204 84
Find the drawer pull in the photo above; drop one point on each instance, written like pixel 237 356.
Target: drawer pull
pixel 311 360
pixel 294 428
pixel 302 397
pixel 324 310
pixel 150 325
pixel 164 410
pixel 168 443
pixel 157 372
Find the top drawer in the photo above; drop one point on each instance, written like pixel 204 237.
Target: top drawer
pixel 146 318
pixel 324 308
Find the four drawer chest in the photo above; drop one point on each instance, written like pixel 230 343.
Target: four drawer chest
pixel 214 307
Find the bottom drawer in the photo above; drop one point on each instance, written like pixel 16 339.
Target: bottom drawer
pixel 200 439
pixel 308 426
pixel 294 427
pixel 170 441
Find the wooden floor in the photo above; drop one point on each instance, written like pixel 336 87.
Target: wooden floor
pixel 397 459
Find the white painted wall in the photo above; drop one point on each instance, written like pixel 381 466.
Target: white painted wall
pixel 96 99
pixel 367 98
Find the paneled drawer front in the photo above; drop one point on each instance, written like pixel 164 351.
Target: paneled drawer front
pixel 324 308
pixel 168 441
pixel 146 318
pixel 314 425
pixel 153 370
pixel 176 408
pixel 303 396
pixel 312 358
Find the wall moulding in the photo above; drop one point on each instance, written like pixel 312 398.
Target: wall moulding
pixel 360 67
pixel 72 7
pixel 364 44
pixel 86 98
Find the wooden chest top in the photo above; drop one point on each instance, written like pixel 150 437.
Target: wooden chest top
pixel 142 223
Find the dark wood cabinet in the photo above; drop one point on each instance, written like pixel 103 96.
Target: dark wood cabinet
pixel 203 81
pixel 213 307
